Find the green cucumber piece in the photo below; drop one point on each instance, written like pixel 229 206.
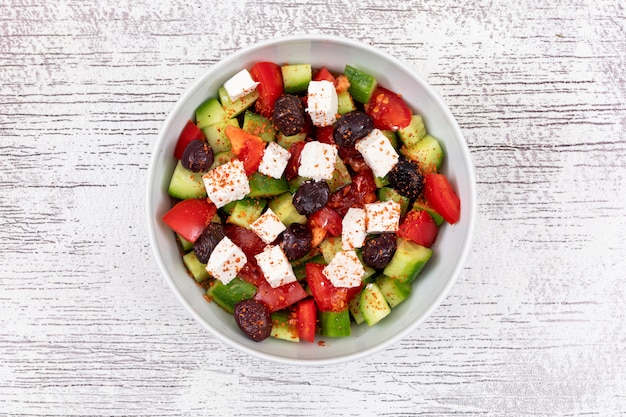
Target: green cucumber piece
pixel 258 125
pixel 362 84
pixel 427 153
pixel 330 247
pixel 381 182
pixel 341 177
pixel 282 206
pixel 393 290
pixel 388 193
pixel 369 272
pixel 185 245
pixel 221 158
pixel 423 205
pixel 235 108
pixel 186 184
pixel 414 132
pixel 345 104
pixel 296 77
pixel 287 141
pixel 373 305
pixel 195 267
pixel 264 186
pixel 210 112
pixel 392 136
pixel 246 211
pixel 354 307
pixel 216 135
pixel 334 323
pixel 283 327
pixel 408 261
pixel 227 295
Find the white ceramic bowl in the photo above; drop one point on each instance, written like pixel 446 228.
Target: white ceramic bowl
pixel 450 250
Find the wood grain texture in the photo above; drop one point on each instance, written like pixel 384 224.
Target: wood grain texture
pixel 536 324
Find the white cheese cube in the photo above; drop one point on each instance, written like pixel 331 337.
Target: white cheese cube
pixel 240 84
pixel 382 217
pixel 268 226
pixel 353 229
pixel 322 103
pixel 345 270
pixel 226 183
pixel 226 260
pixel 378 152
pixel 275 160
pixel 317 161
pixel 275 266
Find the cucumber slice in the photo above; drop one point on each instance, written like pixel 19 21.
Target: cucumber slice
pixel 185 245
pixel 210 112
pixel 330 247
pixel 282 206
pixel 287 141
pixel 373 305
pixel 427 153
pixel 296 78
pixel 354 307
pixel 369 272
pixel 246 211
pixel 388 193
pixel 393 290
pixel 341 176
pixel 334 323
pixel 408 261
pixel 414 132
pixel 392 136
pixel 283 327
pixel 216 135
pixel 227 295
pixel 186 184
pixel 362 84
pixel 235 108
pixel 423 205
pixel 195 267
pixel 258 125
pixel 264 186
pixel 345 104
pixel 221 158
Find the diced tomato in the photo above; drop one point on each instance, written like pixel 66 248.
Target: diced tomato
pixel 251 272
pixel 326 295
pixel 324 75
pixel 247 147
pixel 270 79
pixel 190 132
pixel 419 227
pixel 326 219
pixel 280 297
pixel 361 191
pixel 441 197
pixel 388 110
pixel 249 242
pixel 317 235
pixel 325 134
pixel 291 171
pixel 307 319
pixel 189 218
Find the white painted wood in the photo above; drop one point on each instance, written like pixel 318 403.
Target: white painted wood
pixel 536 322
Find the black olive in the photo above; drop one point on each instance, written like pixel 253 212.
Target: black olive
pixel 378 251
pixel 296 241
pixel 208 240
pixel 254 319
pixel 406 178
pixel 352 127
pixel 288 115
pixel 198 156
pixel 312 196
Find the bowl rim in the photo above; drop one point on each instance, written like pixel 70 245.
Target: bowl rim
pixel 152 170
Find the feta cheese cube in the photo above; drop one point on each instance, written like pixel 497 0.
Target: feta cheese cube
pixel 240 85
pixel 378 152
pixel 317 161
pixel 226 183
pixel 322 103
pixel 382 217
pixel 268 226
pixel 226 260
pixel 353 229
pixel 345 270
pixel 275 266
pixel 275 160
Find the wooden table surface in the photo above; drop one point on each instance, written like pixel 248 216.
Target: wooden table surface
pixel 536 324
